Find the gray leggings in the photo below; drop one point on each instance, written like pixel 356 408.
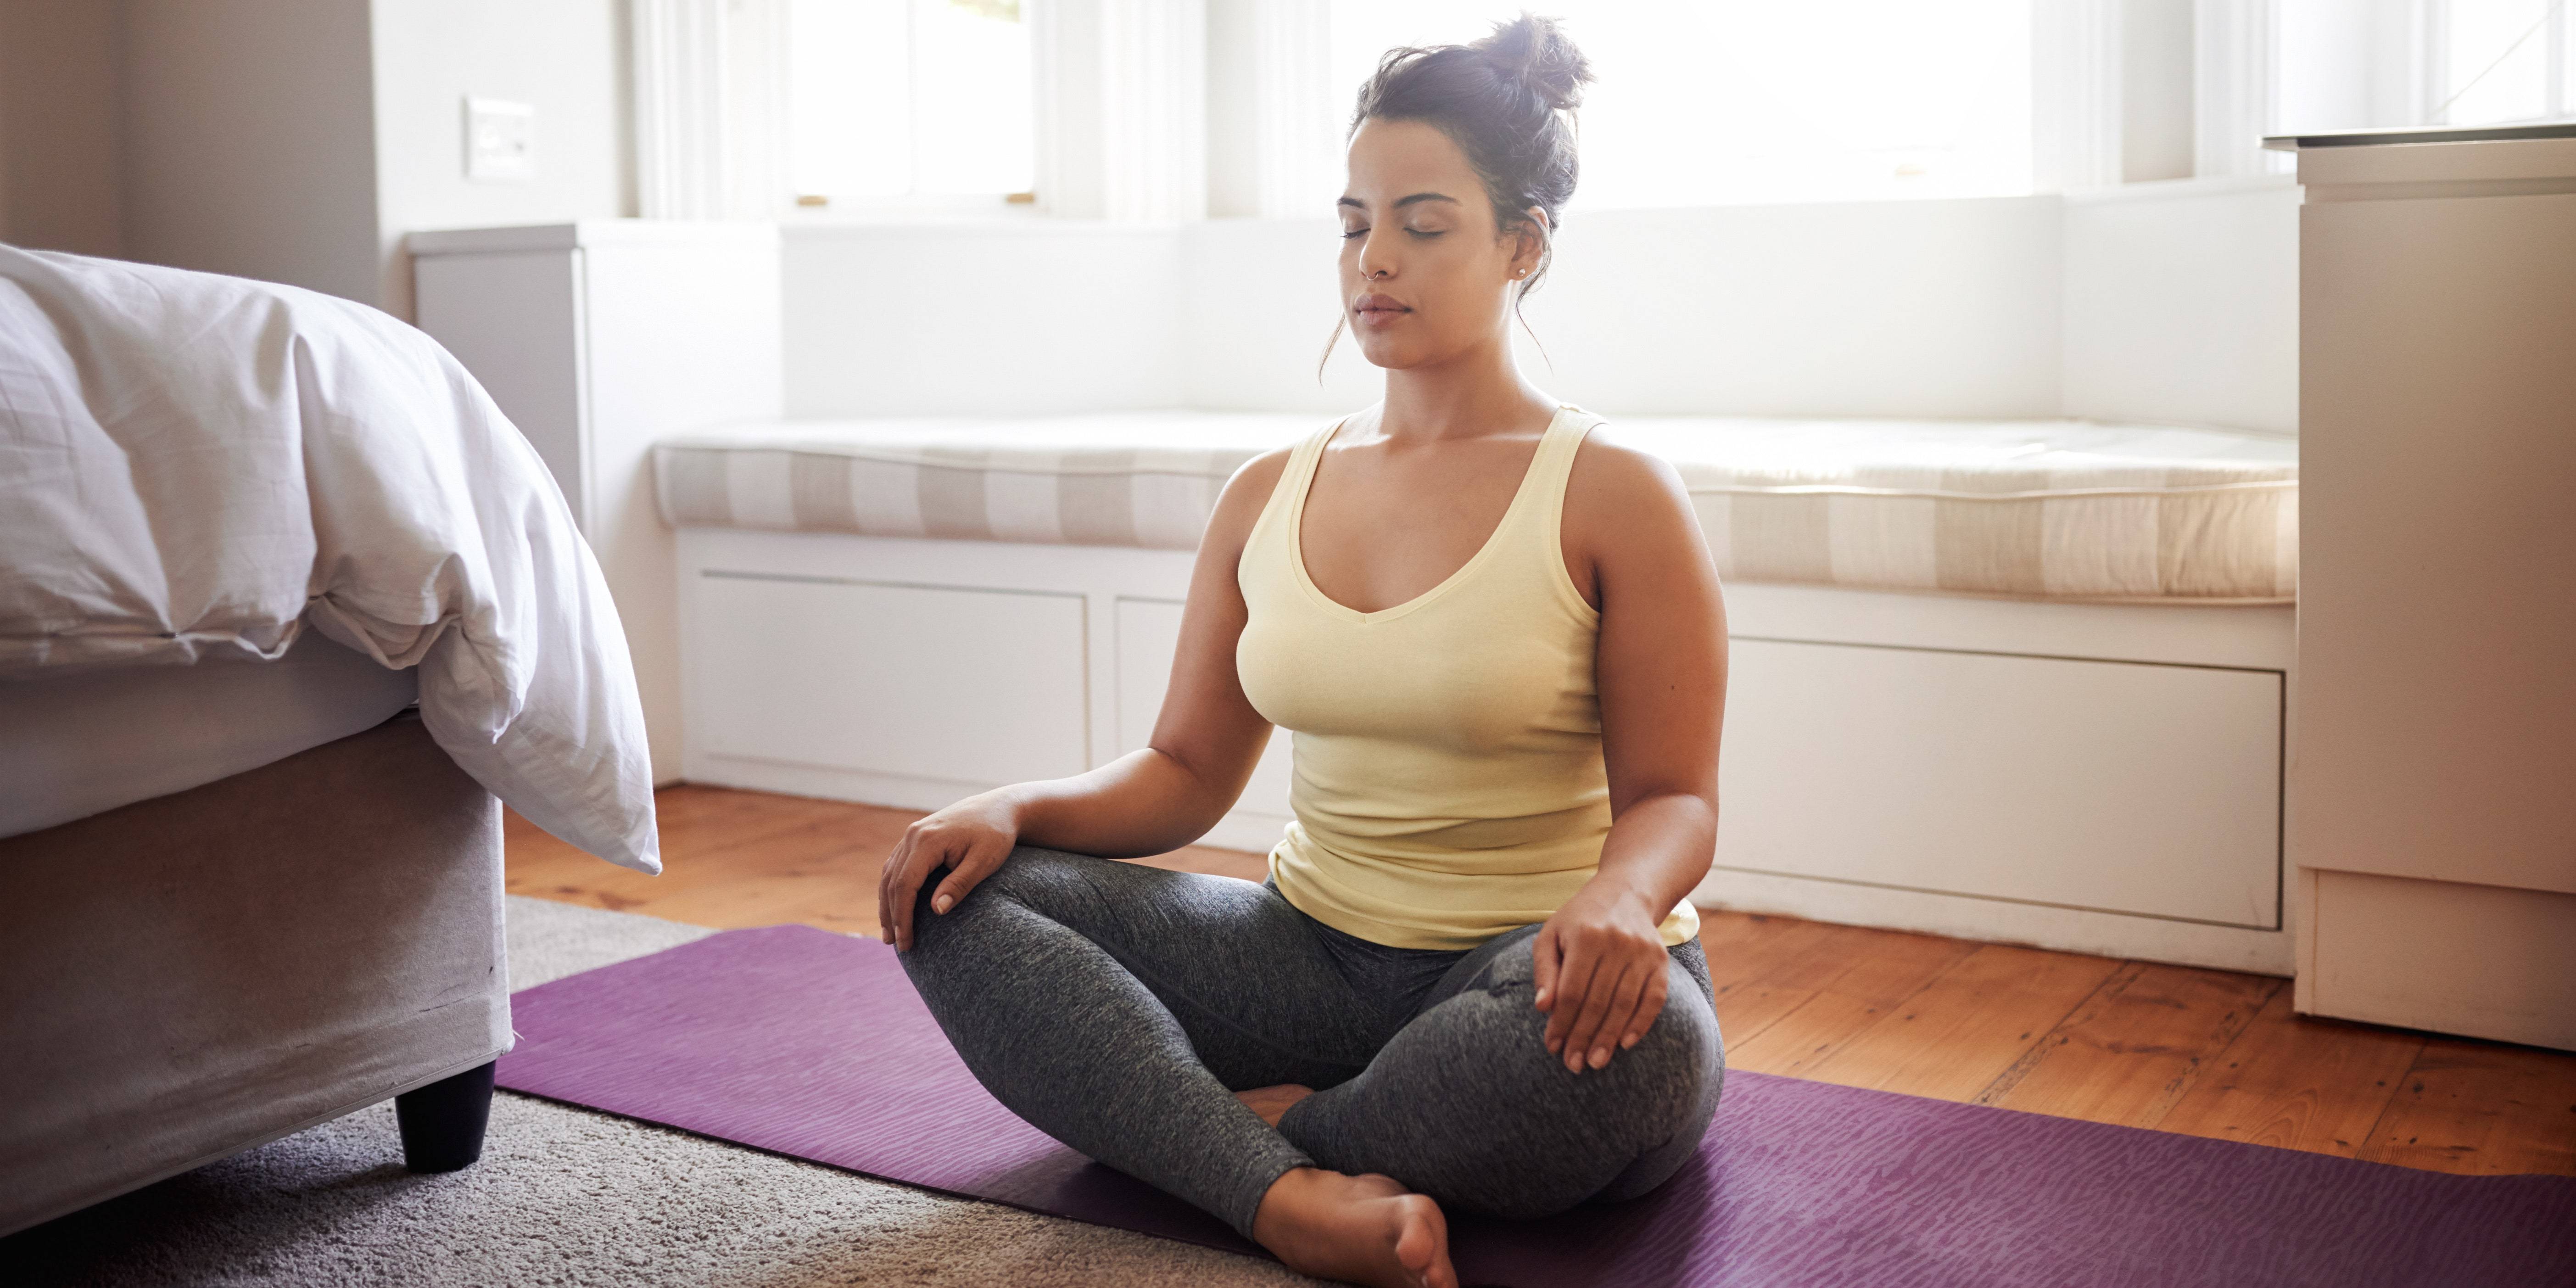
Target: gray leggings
pixel 1117 1007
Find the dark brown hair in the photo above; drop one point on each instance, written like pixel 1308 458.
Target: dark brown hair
pixel 1508 102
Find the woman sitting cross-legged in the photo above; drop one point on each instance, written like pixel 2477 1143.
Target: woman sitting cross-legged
pixel 1472 982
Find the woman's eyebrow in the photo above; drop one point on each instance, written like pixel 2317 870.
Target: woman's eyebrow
pixel 1401 202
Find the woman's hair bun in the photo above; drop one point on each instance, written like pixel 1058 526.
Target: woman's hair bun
pixel 1508 102
pixel 1538 53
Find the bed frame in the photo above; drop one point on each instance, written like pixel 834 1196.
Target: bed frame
pixel 206 971
pixel 2102 778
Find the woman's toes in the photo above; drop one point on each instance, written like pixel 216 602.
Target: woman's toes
pixel 1421 1245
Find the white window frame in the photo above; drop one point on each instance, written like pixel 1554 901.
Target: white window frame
pixel 1121 130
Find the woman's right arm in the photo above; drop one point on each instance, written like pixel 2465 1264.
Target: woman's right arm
pixel 1155 799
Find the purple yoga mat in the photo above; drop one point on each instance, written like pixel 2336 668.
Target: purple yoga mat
pixel 803 1042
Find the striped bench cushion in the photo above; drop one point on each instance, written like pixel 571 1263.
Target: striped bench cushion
pixel 2033 509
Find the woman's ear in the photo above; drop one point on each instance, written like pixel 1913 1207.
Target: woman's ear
pixel 1532 239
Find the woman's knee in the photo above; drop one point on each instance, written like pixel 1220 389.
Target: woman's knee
pixel 1683 1037
pixel 1644 1111
pixel 1032 881
pixel 932 929
pixel 1676 1057
pixel 1026 873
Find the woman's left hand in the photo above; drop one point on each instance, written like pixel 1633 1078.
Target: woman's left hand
pixel 1599 968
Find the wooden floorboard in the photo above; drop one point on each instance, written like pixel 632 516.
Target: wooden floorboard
pixel 2211 1053
pixel 2482 1108
pixel 1956 1034
pixel 2136 1046
pixel 2299 1083
pixel 1879 974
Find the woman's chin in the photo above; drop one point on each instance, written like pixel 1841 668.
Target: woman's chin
pixel 1391 355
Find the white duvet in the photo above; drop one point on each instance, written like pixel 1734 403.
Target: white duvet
pixel 194 466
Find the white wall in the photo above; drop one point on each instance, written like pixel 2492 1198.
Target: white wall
pixel 1933 308
pixel 2171 302
pixel 248 143
pixel 1006 317
pixel 566 58
pixel 1262 296
pixel 1936 308
pixel 59 80
pixel 298 140
pixel 1895 308
pixel 2182 303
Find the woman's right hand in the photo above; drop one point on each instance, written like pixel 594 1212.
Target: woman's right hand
pixel 969 838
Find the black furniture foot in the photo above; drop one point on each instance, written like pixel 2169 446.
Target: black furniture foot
pixel 442 1123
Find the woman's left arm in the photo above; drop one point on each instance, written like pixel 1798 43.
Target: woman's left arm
pixel 1661 675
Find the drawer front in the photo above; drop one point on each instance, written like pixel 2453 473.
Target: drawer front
pixel 2118 787
pixel 967 686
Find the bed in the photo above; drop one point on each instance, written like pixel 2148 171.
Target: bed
pixel 289 611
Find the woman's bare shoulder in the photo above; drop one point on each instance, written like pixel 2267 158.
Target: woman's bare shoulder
pixel 1612 479
pixel 1626 509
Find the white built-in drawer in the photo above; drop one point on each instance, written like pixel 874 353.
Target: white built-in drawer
pixel 2111 786
pixel 1149 632
pixel 966 686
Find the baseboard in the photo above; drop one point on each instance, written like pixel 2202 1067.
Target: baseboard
pixel 2182 943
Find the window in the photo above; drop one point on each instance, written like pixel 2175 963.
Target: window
pixel 1164 109
pixel 908 100
pixel 2351 64
pixel 1725 101
pixel 2495 61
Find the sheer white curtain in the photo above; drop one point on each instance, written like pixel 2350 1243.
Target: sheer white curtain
pixel 710 123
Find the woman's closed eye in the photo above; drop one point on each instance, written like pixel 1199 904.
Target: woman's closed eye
pixel 1349 233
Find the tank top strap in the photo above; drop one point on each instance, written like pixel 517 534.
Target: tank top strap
pixel 1288 495
pixel 1544 536
pixel 1310 450
pixel 1554 465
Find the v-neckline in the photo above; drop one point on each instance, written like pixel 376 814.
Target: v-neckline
pixel 1306 490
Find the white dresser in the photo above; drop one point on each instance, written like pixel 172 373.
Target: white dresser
pixel 600 338
pixel 2433 821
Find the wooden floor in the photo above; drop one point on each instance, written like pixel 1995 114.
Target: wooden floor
pixel 2205 1052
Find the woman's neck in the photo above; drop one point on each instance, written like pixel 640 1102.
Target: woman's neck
pixel 1476 393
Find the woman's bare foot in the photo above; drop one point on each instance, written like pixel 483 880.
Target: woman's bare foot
pixel 1272 1102
pixel 1360 1229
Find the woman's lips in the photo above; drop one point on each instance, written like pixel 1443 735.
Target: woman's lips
pixel 1377 310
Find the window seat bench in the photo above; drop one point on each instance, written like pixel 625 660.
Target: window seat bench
pixel 2066 510
pixel 2019 681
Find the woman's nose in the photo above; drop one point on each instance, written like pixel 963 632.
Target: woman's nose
pixel 1375 263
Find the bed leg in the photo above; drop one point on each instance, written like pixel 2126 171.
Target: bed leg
pixel 442 1123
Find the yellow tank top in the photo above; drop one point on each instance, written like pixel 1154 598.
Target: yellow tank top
pixel 1448 780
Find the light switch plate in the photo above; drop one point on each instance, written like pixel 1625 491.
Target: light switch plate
pixel 500 139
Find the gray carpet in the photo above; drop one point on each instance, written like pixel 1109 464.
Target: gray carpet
pixel 569 1197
